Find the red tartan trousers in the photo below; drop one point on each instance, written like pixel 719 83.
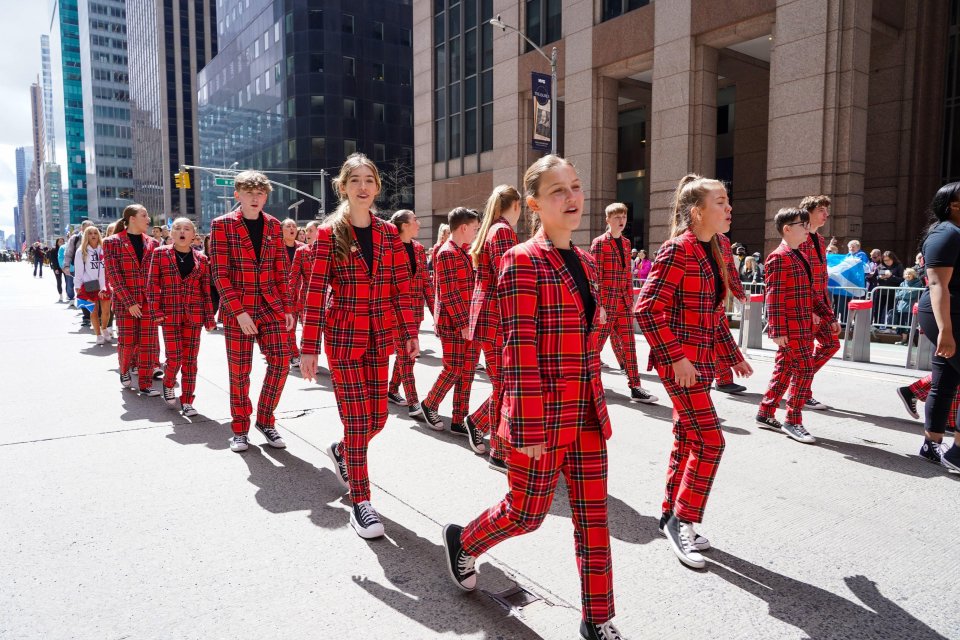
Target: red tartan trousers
pixel 403 372
pixel 793 369
pixel 361 390
pixel 271 336
pixel 827 345
pixel 459 363
pixel 583 464
pixel 921 389
pixel 182 344
pixel 697 447
pixel 138 344
pixel 487 414
pixel 619 328
pixel 292 348
pixel 724 375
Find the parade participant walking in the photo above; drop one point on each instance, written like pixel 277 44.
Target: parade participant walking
pixel 680 312
pixel 300 275
pixel 453 278
pixel 918 391
pixel 939 315
pixel 792 302
pixel 249 267
pixel 355 303
pixel 825 333
pixel 419 294
pixel 497 234
pixel 127 256
pixel 554 414
pixel 610 251
pixel 724 374
pixel 178 298
pixel 290 246
pixel 91 281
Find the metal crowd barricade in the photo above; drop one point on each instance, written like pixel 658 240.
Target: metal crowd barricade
pixel 886 316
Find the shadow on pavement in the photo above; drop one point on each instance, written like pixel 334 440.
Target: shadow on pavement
pixel 287 483
pixel 911 465
pixel 658 411
pixel 820 614
pixel 626 523
pixel 202 430
pixel 421 590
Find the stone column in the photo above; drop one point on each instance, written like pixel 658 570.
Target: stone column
pixel 683 118
pixel 819 78
pixel 508 100
pixel 423 119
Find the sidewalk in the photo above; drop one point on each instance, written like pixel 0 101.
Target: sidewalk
pixel 122 519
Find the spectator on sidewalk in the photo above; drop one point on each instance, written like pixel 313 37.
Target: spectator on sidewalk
pixel 751 271
pixel 644 264
pixel 853 249
pixel 907 294
pixel 90 281
pixel 54 260
pixel 920 268
pixel 73 243
pixel 67 276
pixel 36 251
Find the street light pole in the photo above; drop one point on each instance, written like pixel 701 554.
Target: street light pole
pixel 554 89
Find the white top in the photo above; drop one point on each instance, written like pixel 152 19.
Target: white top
pixel 89 269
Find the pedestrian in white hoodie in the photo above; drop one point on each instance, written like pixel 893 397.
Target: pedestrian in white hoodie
pixel 91 283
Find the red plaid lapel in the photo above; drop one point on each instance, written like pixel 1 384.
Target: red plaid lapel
pixel 246 244
pixel 556 261
pixel 379 240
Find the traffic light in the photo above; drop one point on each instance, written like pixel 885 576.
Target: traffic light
pixel 178 180
pixel 185 179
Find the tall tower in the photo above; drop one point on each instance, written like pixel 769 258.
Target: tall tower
pixel 67 16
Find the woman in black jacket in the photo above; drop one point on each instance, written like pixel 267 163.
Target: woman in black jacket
pixel 54 260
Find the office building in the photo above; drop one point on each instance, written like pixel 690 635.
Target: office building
pixel 49 130
pixel 65 27
pixel 780 98
pixel 296 86
pixel 24 164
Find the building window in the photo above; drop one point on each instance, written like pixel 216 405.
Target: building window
pixel 315 19
pixel 543 21
pixel 378 71
pixel 349 147
pixel 406 40
pixel 316 63
pixel 318 148
pixel 378 31
pixel 379 112
pixel 316 105
pixel 349 108
pixel 266 81
pixel 266 40
pixel 349 66
pixel 291 108
pixel 256 48
pixel 379 152
pixel 276 73
pixel 614 8
pixel 290 65
pixel 347 23
pixel 276 31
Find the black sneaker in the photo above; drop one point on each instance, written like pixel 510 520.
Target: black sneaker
pixel 432 417
pixel 798 433
pixel 816 405
pixel 497 464
pixel 951 457
pixel 149 392
pixel 680 534
pixel 415 411
pixel 158 373
pixel 170 396
pixel 771 424
pixel 699 542
pixel 642 395
pixel 733 388
pixel 460 566
pixel 366 521
pixel 932 451
pixel 125 380
pixel 593 631
pixel 272 436
pixel 474 436
pixel 909 401
pixel 396 398
pixel 458 427
pixel 238 443
pixel 340 463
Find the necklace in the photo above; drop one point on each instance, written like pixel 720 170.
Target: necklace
pixel 182 258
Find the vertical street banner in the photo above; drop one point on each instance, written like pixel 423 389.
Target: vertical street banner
pixel 541 111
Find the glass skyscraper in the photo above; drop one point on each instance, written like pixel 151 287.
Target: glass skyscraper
pixel 66 13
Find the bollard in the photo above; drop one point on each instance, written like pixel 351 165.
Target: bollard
pixel 856 340
pixel 918 357
pixel 751 322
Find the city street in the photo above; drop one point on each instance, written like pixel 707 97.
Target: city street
pixel 122 519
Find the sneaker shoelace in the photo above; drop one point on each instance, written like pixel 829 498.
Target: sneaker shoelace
pixel 799 429
pixel 687 537
pixel 465 563
pixel 239 439
pixel 341 464
pixel 187 408
pixel 643 394
pixel 476 435
pixel 368 516
pixel 168 393
pixel 607 631
pixel 271 434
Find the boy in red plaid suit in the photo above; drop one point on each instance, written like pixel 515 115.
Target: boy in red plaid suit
pixel 554 413
pixel 611 251
pixel 249 267
pixel 793 301
pixel 126 256
pixel 300 275
pixel 453 277
pixel 178 298
pixel 290 248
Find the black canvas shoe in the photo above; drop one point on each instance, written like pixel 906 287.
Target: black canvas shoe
pixel 699 542
pixel 771 424
pixel 642 395
pixel 170 396
pixel 798 433
pixel 680 534
pixel 158 373
pixel 125 380
pixel 366 521
pixel 396 398
pixel 433 418
pixel 272 436
pixel 340 463
pixel 816 405
pixel 605 631
pixel 149 392
pixel 238 443
pixel 733 388
pixel 909 401
pixel 932 451
pixel 951 458
pixel 415 411
pixel 460 566
pixel 497 464
pixel 474 436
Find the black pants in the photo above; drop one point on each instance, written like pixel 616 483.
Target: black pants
pixel 945 376
pixel 59 275
pixel 36 264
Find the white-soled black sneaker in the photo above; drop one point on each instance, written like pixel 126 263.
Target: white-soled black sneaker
pixel 433 418
pixel 605 631
pixel 238 443
pixel 680 534
pixel 396 398
pixel 798 433
pixel 125 380
pixel 909 401
pixel 816 405
pixel 272 436
pixel 295 362
pixel 187 409
pixel 340 463
pixel 932 451
pixel 699 542
pixel 149 392
pixel 170 396
pixel 497 464
pixel 366 521
pixel 770 424
pixel 643 396
pixel 474 436
pixel 460 565
pixel 415 411
pixel 158 373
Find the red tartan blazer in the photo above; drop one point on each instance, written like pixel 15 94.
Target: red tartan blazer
pixel 258 288
pixel 300 275
pixel 453 274
pixel 421 284
pixel 818 264
pixel 550 367
pixel 616 279
pixel 484 311
pixel 790 296
pixel 126 277
pixel 736 287
pixel 353 308
pixel 175 299
pixel 677 311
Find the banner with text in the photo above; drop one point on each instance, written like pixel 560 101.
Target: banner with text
pixel 542 113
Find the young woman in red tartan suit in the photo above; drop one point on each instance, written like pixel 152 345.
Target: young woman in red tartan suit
pixel 419 295
pixel 355 303
pixel 554 416
pixel 496 236
pixel 290 247
pixel 126 256
pixel 680 311
pixel 178 298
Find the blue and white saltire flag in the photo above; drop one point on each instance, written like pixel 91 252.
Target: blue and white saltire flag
pixel 846 275
pixel 85 304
